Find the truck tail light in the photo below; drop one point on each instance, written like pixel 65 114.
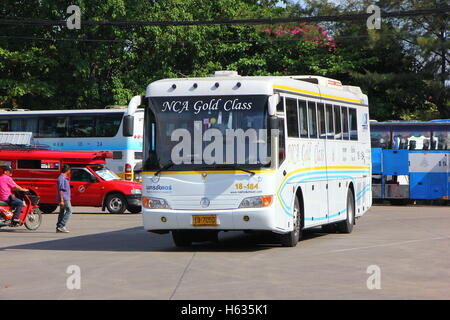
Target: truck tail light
pixel 128 172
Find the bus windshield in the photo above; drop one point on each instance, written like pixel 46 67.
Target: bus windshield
pixel 200 132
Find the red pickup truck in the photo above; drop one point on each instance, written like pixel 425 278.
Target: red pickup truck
pixel 91 182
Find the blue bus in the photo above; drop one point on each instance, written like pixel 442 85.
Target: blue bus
pixel 410 160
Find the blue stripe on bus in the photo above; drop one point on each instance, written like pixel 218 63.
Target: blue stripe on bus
pixel 315 173
pixel 287 208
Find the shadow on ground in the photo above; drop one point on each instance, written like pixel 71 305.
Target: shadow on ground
pixel 137 240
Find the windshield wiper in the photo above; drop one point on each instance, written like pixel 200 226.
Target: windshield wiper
pixel 235 167
pixel 167 166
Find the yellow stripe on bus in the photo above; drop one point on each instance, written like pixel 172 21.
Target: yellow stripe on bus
pixel 210 172
pixel 275 86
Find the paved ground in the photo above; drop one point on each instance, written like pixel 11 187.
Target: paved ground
pixel 118 260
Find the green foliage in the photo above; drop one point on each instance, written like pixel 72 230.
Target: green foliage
pixel 399 66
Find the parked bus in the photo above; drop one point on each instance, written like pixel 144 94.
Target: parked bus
pixel 312 169
pixel 411 160
pixel 117 130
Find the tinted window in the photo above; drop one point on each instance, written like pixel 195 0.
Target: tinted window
pixel 337 123
pixel 303 118
pixel 312 124
pixel 94 125
pixel 280 106
pixel 353 124
pixel 292 118
pixel 321 115
pixel 38 164
pixel 4 125
pixel 441 139
pixel 80 175
pixel 380 137
pixel 345 133
pixel 25 124
pixel 281 145
pixel 107 125
pixel 53 127
pixel 330 124
pixel 82 126
pixel 411 137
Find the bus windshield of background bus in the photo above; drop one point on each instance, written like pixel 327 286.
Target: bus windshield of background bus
pixel 207 131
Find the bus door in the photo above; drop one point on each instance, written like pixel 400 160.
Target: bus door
pixel 85 189
pixel 320 154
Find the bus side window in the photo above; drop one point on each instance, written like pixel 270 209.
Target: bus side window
pixel 292 118
pixel 353 124
pixel 321 115
pixel 303 117
pixel 281 144
pixel 312 123
pixel 345 133
pixel 330 125
pixel 4 125
pixel 337 123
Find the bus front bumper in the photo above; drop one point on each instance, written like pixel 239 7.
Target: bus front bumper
pixel 237 219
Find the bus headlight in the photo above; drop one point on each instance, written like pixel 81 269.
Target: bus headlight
pixel 256 202
pixel 136 191
pixel 154 203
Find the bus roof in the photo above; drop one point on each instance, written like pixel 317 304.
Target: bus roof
pixel 230 83
pixel 73 156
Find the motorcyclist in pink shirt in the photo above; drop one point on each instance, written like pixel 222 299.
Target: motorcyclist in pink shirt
pixel 7 186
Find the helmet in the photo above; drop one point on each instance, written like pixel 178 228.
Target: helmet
pixel 7 168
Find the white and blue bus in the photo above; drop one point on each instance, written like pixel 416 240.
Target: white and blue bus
pixel 117 130
pixel 312 169
pixel 411 160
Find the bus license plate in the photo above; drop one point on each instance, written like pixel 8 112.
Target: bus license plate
pixel 204 220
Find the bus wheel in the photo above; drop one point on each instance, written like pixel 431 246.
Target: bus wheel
pixel 181 238
pixel 116 203
pixel 347 225
pixel 47 208
pixel 291 239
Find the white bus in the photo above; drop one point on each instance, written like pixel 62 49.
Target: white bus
pixel 319 168
pixel 117 130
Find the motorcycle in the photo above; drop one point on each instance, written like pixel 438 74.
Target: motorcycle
pixel 31 216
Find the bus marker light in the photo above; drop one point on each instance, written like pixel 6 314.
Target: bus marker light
pixel 163 219
pixel 246 218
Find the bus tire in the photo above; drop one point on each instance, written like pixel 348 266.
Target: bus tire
pixel 291 239
pixel 48 208
pixel 181 238
pixel 346 226
pixel 116 203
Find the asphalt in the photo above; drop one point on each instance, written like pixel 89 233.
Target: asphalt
pixel 394 252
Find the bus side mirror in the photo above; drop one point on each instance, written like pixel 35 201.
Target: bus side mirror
pixel 128 126
pixel 272 104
